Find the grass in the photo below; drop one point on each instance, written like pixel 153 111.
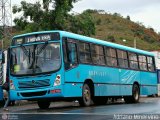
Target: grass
pixel 115 28
pixel 121 28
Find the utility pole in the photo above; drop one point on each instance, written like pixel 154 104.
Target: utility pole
pixel 135 42
pixel 5 20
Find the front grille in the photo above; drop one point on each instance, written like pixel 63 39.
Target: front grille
pixel 31 94
pixel 33 83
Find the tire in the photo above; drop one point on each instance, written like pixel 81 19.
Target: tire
pixel 135 95
pixel 43 104
pixel 86 99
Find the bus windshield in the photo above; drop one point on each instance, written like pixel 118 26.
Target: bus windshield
pixel 35 59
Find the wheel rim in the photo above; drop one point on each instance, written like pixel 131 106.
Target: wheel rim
pixel 136 93
pixel 87 95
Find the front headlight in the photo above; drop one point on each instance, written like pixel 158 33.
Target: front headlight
pixel 12 87
pixel 57 80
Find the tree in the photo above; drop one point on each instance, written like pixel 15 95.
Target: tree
pixel 43 17
pixel 128 17
pixel 82 24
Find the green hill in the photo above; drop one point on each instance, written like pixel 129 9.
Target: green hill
pixel 115 28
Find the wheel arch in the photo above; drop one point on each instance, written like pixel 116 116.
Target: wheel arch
pixel 137 83
pixel 90 84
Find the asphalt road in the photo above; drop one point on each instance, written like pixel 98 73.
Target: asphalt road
pixel 147 108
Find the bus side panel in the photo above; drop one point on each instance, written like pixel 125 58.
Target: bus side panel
pixel 148 83
pixel 74 79
pixel 148 78
pixel 106 84
pixel 148 90
pixel 77 74
pixel 72 90
pixel 127 78
pixel 106 90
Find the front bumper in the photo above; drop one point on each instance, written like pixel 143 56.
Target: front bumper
pixel 52 92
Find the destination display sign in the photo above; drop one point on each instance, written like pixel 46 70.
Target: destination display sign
pixel 45 37
pixel 36 38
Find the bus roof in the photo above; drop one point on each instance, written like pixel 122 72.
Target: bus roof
pixel 102 42
pixel 91 40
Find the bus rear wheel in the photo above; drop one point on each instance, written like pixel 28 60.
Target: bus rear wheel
pixel 86 99
pixel 43 104
pixel 135 95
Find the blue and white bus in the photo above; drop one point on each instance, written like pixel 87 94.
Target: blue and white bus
pixel 58 65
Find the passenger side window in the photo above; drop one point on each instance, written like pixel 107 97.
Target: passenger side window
pixel 122 58
pixel 84 52
pixel 70 54
pixel 142 62
pixel 150 64
pixel 111 56
pixel 133 61
pixel 97 54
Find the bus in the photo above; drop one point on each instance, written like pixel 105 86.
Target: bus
pixel 58 65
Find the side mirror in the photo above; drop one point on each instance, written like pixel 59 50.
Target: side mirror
pixel 3 57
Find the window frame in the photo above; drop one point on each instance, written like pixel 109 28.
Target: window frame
pixel 137 61
pixel 111 57
pixel 142 62
pixel 84 52
pixel 65 41
pixel 105 55
pixel 123 59
pixel 153 63
pixel 100 55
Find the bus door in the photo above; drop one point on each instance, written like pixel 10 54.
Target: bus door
pixel 70 64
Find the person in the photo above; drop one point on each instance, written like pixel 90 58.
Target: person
pixel 5 87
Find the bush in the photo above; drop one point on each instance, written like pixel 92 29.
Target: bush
pixel 99 21
pixel 128 17
pixel 148 39
pixel 111 38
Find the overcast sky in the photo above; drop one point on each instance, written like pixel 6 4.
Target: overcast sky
pixel 143 11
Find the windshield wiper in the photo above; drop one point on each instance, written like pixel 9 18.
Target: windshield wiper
pixel 25 50
pixel 27 53
pixel 35 57
pixel 42 48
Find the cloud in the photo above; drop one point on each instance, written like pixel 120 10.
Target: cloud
pixel 114 5
pixel 149 16
pixel 144 11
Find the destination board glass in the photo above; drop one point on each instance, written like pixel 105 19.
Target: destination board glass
pixel 36 38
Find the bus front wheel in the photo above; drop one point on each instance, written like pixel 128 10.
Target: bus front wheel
pixel 135 95
pixel 86 99
pixel 43 104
